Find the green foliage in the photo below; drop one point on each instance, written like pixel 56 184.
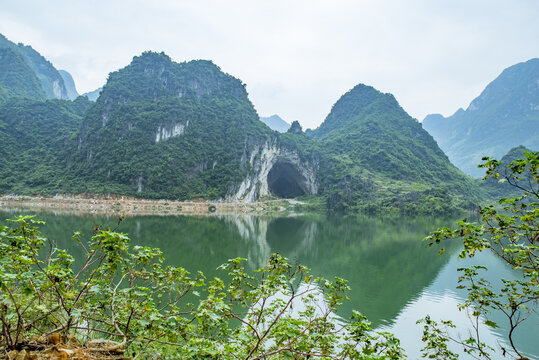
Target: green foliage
pixel 511 231
pixel 36 139
pixel 436 339
pixel 16 78
pixel 52 83
pixel 498 187
pixel 128 295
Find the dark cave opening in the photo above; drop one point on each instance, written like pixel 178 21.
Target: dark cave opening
pixel 285 181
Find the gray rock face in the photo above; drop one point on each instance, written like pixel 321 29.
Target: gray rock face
pixel 167 131
pixel 69 84
pixel 257 233
pixel 275 171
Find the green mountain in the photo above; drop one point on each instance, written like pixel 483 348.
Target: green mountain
pixel 505 115
pixel 161 129
pixel 166 130
pixel 377 154
pixel 295 128
pixel 16 77
pixel 50 79
pixel 71 90
pixel 275 123
pixel 36 138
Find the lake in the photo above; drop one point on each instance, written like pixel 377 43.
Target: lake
pixel 395 280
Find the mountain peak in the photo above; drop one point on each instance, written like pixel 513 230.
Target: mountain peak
pixel 275 122
pixel 153 75
pixel 295 128
pixel 504 115
pixel 151 59
pixel 51 81
pixel 357 104
pixel 521 79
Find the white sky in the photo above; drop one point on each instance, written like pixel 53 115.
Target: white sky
pixel 296 57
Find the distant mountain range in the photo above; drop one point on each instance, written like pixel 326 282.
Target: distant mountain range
pixel 161 129
pixel 503 116
pixel 17 75
pixel 93 95
pixel 276 123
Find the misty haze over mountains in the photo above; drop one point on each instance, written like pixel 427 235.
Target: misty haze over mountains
pixel 503 116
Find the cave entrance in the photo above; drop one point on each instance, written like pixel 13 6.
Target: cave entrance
pixel 285 180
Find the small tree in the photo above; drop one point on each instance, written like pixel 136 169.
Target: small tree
pixel 511 231
pixel 150 310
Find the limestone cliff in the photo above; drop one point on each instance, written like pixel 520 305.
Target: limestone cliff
pixel 275 171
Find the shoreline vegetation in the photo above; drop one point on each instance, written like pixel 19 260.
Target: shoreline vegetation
pixel 129 206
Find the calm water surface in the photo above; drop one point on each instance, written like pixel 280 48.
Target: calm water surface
pixel 395 280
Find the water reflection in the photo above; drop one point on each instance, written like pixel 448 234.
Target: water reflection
pixel 384 260
pixel 253 231
pixel 395 280
pixel 440 300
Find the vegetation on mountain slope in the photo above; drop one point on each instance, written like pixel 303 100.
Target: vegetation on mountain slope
pixel 379 156
pixel 166 130
pixel 162 129
pixel 16 78
pixel 36 138
pixel 51 81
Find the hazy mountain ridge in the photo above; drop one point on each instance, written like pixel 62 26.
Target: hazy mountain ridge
pixel 51 80
pixel 275 122
pixel 93 95
pixel 71 89
pixel 503 116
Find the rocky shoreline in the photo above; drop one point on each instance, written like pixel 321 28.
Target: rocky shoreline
pixel 126 206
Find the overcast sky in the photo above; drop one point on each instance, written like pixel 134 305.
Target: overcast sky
pixel 296 57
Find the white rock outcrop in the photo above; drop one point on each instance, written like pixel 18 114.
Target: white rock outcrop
pixel 167 131
pixel 261 161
